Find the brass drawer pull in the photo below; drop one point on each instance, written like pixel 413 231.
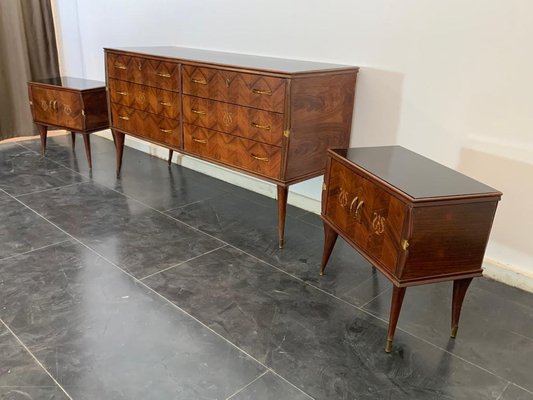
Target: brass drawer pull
pixel 265 159
pixel 163 75
pixel 265 92
pixel 203 141
pixel 124 118
pixel 53 105
pixel 354 201
pixel 166 130
pixel 266 127
pixel 199 81
pixel 165 104
pixel 194 111
pixel 120 66
pixel 358 208
pixel 122 93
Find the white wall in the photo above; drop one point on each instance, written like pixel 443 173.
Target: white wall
pixel 450 79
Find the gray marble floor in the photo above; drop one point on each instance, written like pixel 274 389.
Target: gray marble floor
pixel 168 284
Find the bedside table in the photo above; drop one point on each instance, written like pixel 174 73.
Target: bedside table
pixel 415 220
pixel 74 104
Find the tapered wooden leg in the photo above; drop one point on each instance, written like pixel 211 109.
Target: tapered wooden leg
pixel 87 141
pixel 170 153
pixel 43 131
pixel 459 291
pixel 330 237
pixel 282 210
pixel 73 137
pixel 118 138
pixel 396 305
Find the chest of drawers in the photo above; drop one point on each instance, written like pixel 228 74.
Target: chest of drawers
pixel 74 104
pixel 415 220
pixel 267 117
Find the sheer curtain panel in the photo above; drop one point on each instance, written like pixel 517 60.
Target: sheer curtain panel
pixel 28 51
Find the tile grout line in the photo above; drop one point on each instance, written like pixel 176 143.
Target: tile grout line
pixel 35 359
pixel 248 384
pixel 53 188
pixel 32 250
pixel 159 295
pixel 269 264
pixel 183 262
pixel 503 391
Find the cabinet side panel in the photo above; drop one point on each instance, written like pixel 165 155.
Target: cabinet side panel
pixel 95 107
pixel 321 118
pixel 448 239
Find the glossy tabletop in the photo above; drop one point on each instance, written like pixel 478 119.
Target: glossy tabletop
pixel 70 82
pixel 413 174
pixel 279 65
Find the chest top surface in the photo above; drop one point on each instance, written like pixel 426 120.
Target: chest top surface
pixel 413 174
pixel 70 82
pixel 278 65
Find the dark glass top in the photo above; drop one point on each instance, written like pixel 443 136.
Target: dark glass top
pixel 413 174
pixel 70 82
pixel 279 65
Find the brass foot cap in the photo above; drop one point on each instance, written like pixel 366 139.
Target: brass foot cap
pixel 388 346
pixel 454 332
pixel 281 243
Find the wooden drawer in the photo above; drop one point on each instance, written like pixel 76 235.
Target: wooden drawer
pixel 366 214
pixel 244 154
pixel 147 71
pixel 145 98
pixel 247 122
pixel 145 125
pixel 258 91
pixel 57 107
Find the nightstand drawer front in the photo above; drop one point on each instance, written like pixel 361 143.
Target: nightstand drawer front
pixel 366 214
pixel 145 98
pixel 233 151
pixel 258 91
pixel 250 123
pixel 146 125
pixel 57 107
pixel 151 72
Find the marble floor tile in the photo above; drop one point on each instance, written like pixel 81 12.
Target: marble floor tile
pixel 325 347
pixel 102 335
pixel 24 171
pixel 495 330
pixel 254 230
pixel 22 230
pixel 21 378
pixel 136 238
pixel 270 387
pixel 513 392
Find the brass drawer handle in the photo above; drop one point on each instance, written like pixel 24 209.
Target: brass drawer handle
pixel 166 130
pixel 163 75
pixel 265 92
pixel 354 201
pixel 120 66
pixel 358 208
pixel 265 159
pixel 199 81
pixel 203 141
pixel 122 93
pixel 266 127
pixel 124 118
pixel 165 104
pixel 194 111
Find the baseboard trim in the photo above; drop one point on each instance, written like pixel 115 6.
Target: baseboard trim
pixel 508 274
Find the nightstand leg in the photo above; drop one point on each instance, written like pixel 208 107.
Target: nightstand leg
pixel 283 191
pixel 459 291
pixel 43 131
pixel 73 137
pixel 330 237
pixel 87 141
pixel 170 153
pixel 118 138
pixel 396 305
